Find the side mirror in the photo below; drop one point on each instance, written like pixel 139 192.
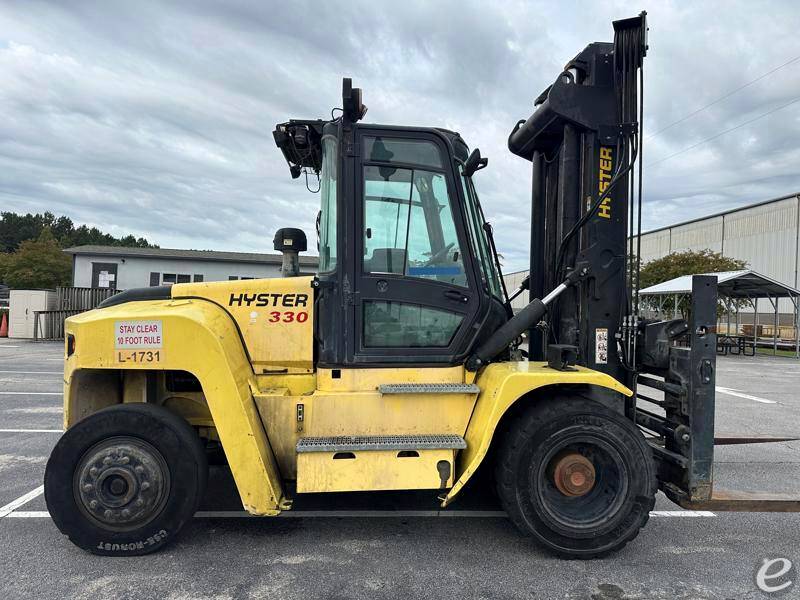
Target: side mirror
pixel 474 163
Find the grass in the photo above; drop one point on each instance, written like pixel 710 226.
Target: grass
pixel 768 351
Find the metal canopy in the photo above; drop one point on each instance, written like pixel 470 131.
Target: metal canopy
pixel 733 288
pixel 734 284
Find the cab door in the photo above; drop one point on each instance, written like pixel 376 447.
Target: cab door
pixel 416 298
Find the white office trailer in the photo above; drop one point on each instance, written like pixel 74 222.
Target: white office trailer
pixel 125 268
pixel 23 306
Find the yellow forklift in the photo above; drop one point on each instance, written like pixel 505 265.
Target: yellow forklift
pixel 400 365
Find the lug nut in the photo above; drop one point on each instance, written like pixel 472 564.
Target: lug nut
pixel 126 513
pixel 93 504
pixel 93 471
pixel 139 469
pixel 107 460
pixel 124 460
pixel 145 486
pixel 88 487
pixel 107 513
pixel 139 502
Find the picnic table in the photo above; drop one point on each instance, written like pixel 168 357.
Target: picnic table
pixel 736 345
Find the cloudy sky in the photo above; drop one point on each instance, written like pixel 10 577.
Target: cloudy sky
pixel 156 118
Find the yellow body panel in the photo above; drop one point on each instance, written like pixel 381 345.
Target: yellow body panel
pixel 501 385
pixel 275 316
pixel 351 405
pixel 372 470
pixel 365 379
pixel 195 336
pixel 254 414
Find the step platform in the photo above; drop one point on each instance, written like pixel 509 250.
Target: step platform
pixel 428 388
pixel 371 463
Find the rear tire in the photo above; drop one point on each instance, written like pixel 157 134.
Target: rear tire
pixel 125 480
pixel 577 476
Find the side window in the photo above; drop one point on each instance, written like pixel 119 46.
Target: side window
pixel 408 216
pixel 433 250
pixel 387 194
pixel 400 325
pixel 475 222
pixel 326 221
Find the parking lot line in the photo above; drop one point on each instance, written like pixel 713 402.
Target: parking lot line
pixel 31 393
pixel 317 514
pixel 24 499
pixel 731 392
pixel 31 431
pixel 682 513
pixel 33 372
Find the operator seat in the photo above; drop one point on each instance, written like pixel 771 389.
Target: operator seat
pixel 386 260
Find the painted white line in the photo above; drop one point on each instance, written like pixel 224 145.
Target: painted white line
pixel 31 431
pixel 314 514
pixel 306 514
pixel 7 346
pixel 29 514
pixel 24 499
pixel 682 513
pixel 33 372
pixel 31 393
pixel 731 392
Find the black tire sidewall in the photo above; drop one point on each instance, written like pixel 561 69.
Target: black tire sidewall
pixel 592 419
pixel 177 443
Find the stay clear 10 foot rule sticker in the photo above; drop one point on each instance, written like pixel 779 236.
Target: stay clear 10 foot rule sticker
pixel 138 342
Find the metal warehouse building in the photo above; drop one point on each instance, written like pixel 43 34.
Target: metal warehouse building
pixel 766 235
pixel 125 268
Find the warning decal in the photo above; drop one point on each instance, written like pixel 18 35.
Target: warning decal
pixel 138 334
pixel 601 346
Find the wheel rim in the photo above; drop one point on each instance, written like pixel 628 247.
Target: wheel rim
pixel 581 484
pixel 573 474
pixel 121 483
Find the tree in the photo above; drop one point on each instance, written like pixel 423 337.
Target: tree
pixel 15 229
pixel 37 263
pixel 677 264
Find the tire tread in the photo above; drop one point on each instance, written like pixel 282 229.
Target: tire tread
pixel 530 421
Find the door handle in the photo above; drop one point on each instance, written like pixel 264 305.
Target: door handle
pixel 457 296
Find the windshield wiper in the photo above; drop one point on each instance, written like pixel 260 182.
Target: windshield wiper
pixel 487 227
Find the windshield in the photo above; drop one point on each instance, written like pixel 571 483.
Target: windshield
pixel 489 275
pixel 326 226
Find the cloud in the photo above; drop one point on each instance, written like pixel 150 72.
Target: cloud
pixel 155 118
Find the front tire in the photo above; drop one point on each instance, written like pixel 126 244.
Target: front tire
pixel 577 476
pixel 125 480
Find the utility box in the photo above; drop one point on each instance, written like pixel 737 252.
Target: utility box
pixel 22 305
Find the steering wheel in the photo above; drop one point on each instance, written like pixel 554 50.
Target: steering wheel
pixel 439 255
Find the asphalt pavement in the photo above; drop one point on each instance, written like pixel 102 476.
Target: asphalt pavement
pixel 400 545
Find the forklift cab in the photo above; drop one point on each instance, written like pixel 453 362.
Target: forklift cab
pixel 407 270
